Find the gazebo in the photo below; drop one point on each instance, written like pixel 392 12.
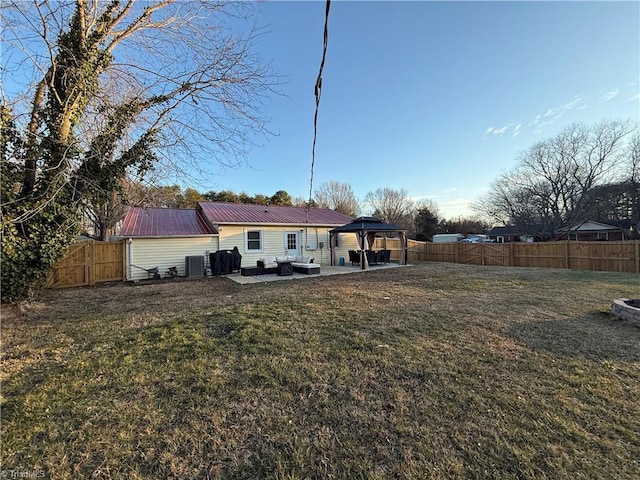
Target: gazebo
pixel 366 229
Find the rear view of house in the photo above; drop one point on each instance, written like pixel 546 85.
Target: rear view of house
pixel 163 237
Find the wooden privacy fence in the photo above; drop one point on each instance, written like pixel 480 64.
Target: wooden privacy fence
pixel 91 262
pixel 88 263
pixel 600 256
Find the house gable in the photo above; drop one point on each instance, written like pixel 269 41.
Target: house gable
pixel 592 226
pixel 594 230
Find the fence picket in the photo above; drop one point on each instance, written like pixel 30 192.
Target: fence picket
pixel 88 263
pixel 620 256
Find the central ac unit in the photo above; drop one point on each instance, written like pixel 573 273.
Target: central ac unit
pixel 195 266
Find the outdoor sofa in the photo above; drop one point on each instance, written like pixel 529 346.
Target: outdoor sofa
pixel 299 263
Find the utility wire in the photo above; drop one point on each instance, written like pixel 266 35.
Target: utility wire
pixel 318 91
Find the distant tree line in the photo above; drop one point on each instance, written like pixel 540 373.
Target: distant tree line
pixel 174 196
pixel 420 219
pixel 101 218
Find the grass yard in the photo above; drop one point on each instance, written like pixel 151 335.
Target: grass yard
pixel 431 371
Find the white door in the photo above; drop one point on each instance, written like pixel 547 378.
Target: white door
pixel 292 243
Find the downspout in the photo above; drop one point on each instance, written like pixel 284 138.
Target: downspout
pixel 302 245
pixel 129 258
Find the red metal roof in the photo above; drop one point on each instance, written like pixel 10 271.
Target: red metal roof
pixel 221 212
pixel 150 222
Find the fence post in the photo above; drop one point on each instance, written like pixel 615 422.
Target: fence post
pixel 85 250
pixel 637 256
pixel 511 253
pixel 566 254
pixel 92 263
pixel 123 244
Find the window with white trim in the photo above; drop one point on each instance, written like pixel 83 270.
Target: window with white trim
pixel 253 241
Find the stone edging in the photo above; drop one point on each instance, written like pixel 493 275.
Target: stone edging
pixel 622 310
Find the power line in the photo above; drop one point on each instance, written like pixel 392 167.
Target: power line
pixel 318 91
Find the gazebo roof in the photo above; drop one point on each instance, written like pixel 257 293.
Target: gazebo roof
pixel 368 224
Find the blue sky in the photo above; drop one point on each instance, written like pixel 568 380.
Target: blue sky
pixel 437 98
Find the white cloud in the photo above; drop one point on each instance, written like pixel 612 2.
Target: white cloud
pixel 635 97
pixel 456 208
pixel 572 103
pixel 496 131
pixel 516 129
pixel 450 204
pixel 552 114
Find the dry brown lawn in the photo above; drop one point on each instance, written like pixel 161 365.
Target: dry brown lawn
pixel 429 371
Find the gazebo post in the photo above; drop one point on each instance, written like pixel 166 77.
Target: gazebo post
pixel 331 247
pixel 404 246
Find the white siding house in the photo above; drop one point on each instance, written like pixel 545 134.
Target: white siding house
pixel 257 241
pixel 259 230
pixel 163 237
pixel 164 252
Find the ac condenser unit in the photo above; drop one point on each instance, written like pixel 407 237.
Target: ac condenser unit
pixel 195 266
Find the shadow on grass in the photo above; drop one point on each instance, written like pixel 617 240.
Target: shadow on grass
pixel 596 337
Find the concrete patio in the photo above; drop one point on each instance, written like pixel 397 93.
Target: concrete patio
pixel 324 271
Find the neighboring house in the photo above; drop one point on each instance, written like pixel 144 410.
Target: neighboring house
pixel 590 230
pixel 508 233
pixel 597 230
pixel 164 237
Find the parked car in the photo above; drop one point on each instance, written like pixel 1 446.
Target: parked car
pixel 477 239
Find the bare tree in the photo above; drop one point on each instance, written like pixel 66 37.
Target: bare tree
pixel 633 155
pixel 339 197
pixel 620 200
pixel 104 88
pixel 552 182
pixel 634 179
pixel 102 218
pixel 391 206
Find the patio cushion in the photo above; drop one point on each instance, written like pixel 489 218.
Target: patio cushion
pixel 268 261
